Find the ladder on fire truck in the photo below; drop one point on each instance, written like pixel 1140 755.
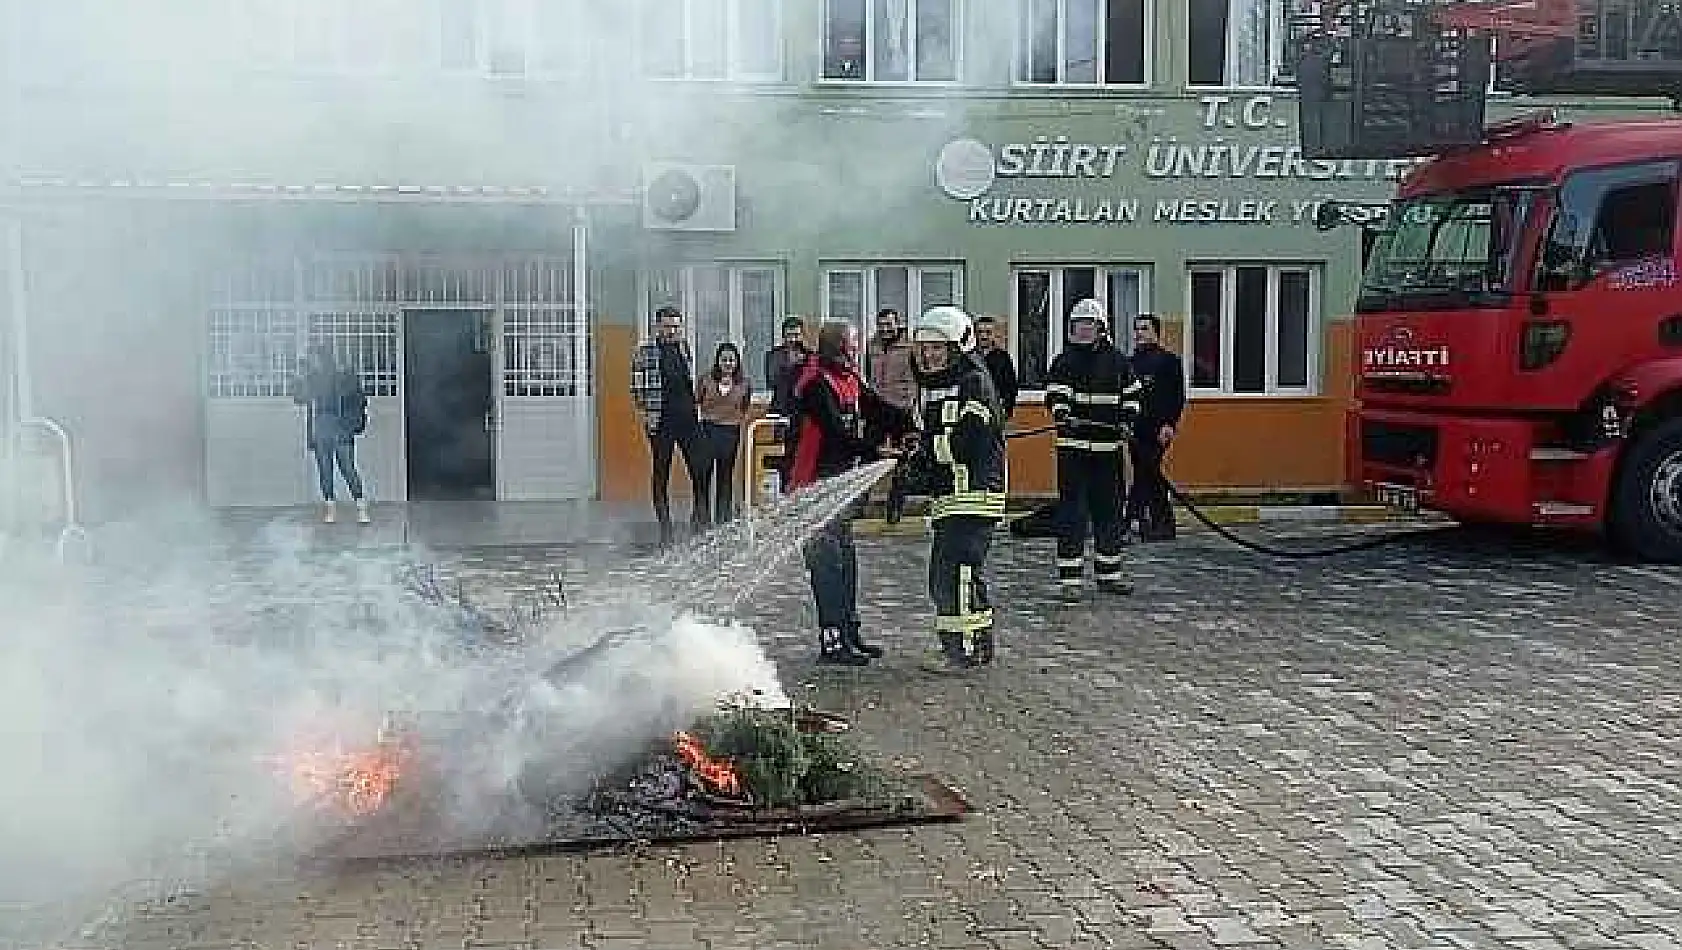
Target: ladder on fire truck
pixel 1397 78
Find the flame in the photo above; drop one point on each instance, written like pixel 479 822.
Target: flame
pixel 350 783
pixel 717 774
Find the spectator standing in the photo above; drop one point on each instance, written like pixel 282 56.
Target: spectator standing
pixel 663 388
pixel 1164 376
pixel 723 397
pixel 337 412
pixel 893 375
pixel 998 362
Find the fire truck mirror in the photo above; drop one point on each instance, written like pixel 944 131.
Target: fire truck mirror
pixel 1670 331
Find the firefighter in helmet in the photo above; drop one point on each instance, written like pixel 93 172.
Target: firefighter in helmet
pixel 1094 399
pixel 960 465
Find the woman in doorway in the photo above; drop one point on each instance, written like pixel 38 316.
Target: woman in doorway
pixel 722 400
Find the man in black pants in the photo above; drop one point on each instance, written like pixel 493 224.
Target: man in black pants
pixel 1094 399
pixel 1165 400
pixel 663 388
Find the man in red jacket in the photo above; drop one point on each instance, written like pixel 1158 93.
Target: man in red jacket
pixel 839 421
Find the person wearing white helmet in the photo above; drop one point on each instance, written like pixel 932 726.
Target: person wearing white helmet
pixel 960 465
pixel 1094 398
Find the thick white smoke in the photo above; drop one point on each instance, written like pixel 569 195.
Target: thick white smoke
pixel 145 717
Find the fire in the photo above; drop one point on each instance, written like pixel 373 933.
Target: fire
pixel 350 783
pixel 718 775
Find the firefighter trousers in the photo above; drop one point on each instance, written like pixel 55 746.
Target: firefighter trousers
pixel 1088 494
pixel 956 561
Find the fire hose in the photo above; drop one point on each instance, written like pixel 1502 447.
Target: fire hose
pixel 1259 547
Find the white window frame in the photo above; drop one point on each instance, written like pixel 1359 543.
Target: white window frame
pixel 527 10
pixel 868 275
pixel 737 322
pixel 1278 54
pixel 1055 338
pixel 958 20
pixel 733 70
pixel 1020 50
pixel 1229 321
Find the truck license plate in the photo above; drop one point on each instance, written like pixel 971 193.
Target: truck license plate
pixel 1401 497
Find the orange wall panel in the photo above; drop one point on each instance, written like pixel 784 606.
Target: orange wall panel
pixel 1240 443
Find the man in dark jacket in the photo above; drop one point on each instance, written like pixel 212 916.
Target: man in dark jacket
pixel 838 422
pixel 998 362
pixel 337 413
pixel 1094 399
pixel 781 362
pixel 663 388
pixel 961 466
pixel 1165 400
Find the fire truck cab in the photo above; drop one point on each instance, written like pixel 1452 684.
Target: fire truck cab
pixel 1519 323
pixel 1519 330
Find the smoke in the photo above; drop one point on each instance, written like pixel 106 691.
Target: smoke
pixel 151 710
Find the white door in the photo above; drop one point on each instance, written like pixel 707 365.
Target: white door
pixel 546 414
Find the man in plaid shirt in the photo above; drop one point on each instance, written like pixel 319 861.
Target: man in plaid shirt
pixel 663 389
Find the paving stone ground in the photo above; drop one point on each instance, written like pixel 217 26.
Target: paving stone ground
pixel 1451 744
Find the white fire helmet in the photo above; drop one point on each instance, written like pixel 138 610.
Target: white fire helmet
pixel 1089 309
pixel 945 325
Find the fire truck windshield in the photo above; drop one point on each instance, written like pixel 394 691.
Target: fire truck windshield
pixel 1446 251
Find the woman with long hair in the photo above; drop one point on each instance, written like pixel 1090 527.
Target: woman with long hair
pixel 722 398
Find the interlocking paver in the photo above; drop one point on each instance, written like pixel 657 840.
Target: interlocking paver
pixel 1443 746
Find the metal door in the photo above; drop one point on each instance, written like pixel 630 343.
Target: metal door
pixel 546 439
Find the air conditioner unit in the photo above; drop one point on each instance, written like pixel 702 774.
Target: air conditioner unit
pixel 682 197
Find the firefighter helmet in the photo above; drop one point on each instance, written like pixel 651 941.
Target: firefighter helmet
pixel 945 325
pixel 1089 309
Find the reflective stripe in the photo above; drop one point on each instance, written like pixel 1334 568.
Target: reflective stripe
pixel 978 504
pixel 949 411
pixel 1071 562
pixel 976 408
pixel 964 623
pixel 1061 389
pixel 1107 560
pixel 960 478
pixel 1098 399
pixel 1087 445
pixel 1069 581
pixel 936 395
pixel 1134 387
pixel 943 449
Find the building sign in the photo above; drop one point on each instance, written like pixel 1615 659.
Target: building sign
pixel 1121 182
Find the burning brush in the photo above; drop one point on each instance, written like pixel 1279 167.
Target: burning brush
pixel 347 784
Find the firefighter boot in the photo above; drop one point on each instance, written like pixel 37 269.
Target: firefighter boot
pixel 855 642
pixel 984 646
pixel 957 656
pixel 834 650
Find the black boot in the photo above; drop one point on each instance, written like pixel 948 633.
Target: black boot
pixel 834 650
pixel 856 643
pixel 957 657
pixel 1114 585
pixel 984 646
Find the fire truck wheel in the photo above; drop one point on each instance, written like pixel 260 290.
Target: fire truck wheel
pixel 1647 500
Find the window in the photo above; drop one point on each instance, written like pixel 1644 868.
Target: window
pixel 517 37
pixel 1082 42
pixel 1239 43
pixel 712 39
pixel 1608 217
pixel 742 303
pixel 891 40
pixel 855 294
pixel 1254 329
pixel 1044 296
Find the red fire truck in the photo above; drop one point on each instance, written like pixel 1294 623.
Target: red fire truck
pixel 1519 323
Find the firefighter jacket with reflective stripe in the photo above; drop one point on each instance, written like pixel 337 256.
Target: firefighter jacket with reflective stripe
pixel 963 442
pixel 1097 384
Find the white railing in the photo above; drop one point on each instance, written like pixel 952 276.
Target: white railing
pixel 71 529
